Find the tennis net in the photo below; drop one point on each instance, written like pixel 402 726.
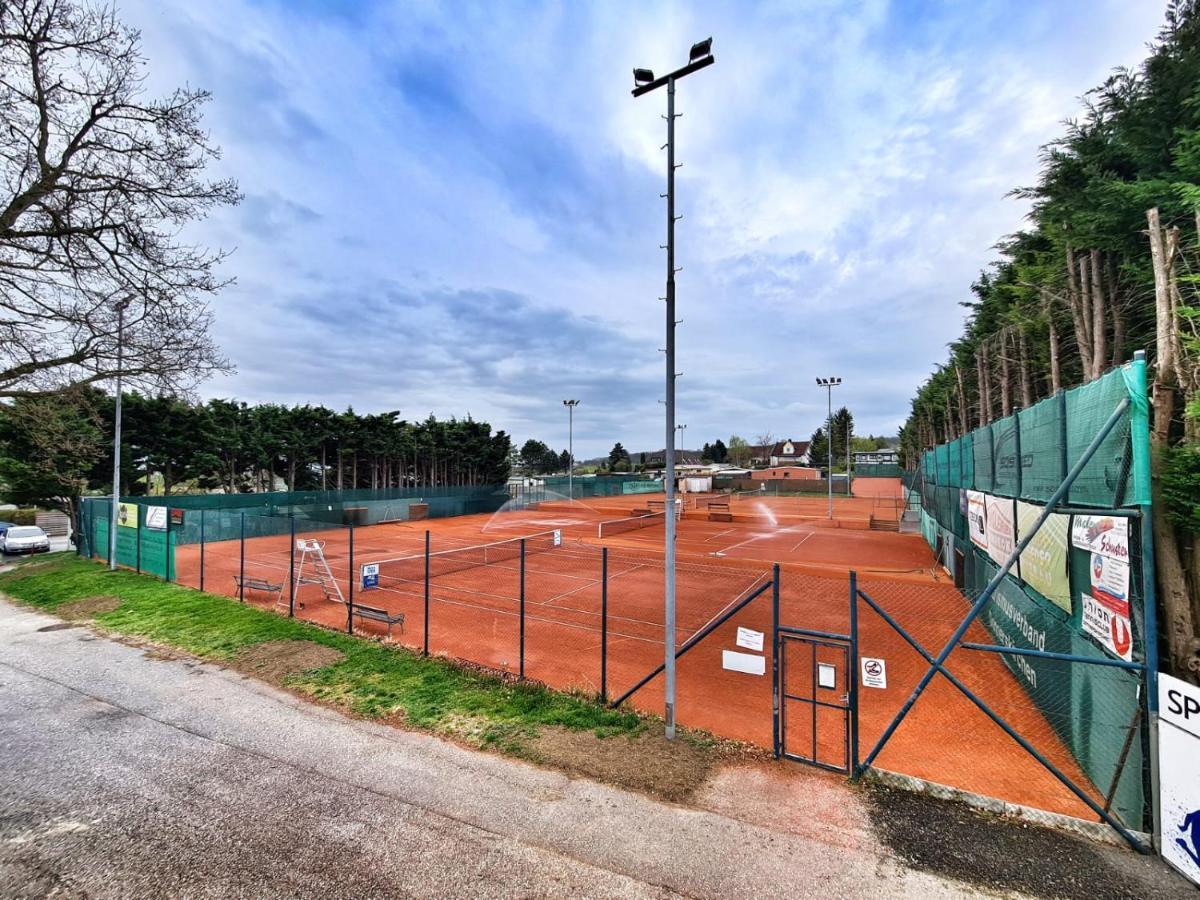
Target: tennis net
pixel 446 562
pixel 632 523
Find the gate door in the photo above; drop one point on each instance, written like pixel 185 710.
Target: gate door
pixel 818 700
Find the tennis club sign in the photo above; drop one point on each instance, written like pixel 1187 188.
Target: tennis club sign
pixel 370 576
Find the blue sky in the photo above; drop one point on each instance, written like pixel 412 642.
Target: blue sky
pixel 455 208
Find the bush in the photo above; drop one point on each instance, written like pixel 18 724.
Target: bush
pixel 20 516
pixel 1181 486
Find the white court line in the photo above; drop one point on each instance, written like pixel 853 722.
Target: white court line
pixel 801 541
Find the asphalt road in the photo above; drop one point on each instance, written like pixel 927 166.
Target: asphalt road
pixel 126 775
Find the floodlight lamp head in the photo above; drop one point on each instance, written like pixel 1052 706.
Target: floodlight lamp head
pixel 700 50
pixel 642 76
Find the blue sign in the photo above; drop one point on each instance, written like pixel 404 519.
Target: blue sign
pixel 370 576
pixel 1191 846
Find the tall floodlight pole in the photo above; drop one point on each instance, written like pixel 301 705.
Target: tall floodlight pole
pixel 829 384
pixel 570 405
pixel 680 429
pixel 645 82
pixel 116 491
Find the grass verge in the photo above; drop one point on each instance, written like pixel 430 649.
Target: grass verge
pixel 372 679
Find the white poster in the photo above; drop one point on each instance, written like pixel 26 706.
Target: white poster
pixel 977 518
pixel 1106 535
pixel 1108 623
pixel 743 662
pixel 1001 529
pixel 750 639
pixel 1179 780
pixel 1110 579
pixel 874 672
pixel 156 518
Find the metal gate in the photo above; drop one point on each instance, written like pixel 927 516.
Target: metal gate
pixel 816 709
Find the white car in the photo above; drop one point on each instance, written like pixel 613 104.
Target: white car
pixel 25 539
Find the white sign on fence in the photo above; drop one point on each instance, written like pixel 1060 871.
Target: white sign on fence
pixel 750 639
pixel 1108 535
pixel 1179 784
pixel 874 672
pixel 743 662
pixel 156 518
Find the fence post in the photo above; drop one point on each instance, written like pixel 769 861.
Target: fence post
pixel 604 625
pixel 201 547
pixel 426 651
pixel 521 662
pixel 852 675
pixel 137 540
pixel 350 594
pixel 775 660
pixel 292 569
pixel 242 563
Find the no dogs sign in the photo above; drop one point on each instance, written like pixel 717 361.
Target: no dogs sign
pixel 874 672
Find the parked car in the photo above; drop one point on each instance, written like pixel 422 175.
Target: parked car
pixel 25 539
pixel 4 526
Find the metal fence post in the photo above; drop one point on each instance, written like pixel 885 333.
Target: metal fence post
pixel 292 570
pixel 775 648
pixel 350 594
pixel 137 553
pixel 521 661
pixel 426 651
pixel 852 675
pixel 242 563
pixel 201 548
pixel 604 625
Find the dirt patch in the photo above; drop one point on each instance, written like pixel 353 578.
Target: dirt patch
pixel 951 838
pixel 87 608
pixel 276 661
pixel 645 762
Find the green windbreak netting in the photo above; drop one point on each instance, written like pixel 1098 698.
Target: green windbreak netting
pixel 1006 451
pixel 1043 463
pixel 967 443
pixel 981 442
pixel 1103 480
pixel 954 474
pixel 941 462
pixel 928 467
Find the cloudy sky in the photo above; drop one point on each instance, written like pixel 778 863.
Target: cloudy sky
pixel 455 208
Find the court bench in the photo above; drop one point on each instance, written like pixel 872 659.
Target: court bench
pixel 375 614
pixel 718 511
pixel 258 584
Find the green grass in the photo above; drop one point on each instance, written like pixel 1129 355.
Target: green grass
pixel 372 679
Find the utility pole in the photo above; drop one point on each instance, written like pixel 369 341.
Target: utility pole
pixel 116 491
pixel 570 405
pixel 699 57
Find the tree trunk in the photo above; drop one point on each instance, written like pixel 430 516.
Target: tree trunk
pixel 1023 362
pixel 1077 307
pixel 963 422
pixel 1052 340
pixel 341 461
pixel 1116 314
pixel 1178 618
pixel 1005 376
pixel 1099 345
pixel 323 470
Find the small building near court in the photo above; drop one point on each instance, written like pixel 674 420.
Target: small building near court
pixel 797 473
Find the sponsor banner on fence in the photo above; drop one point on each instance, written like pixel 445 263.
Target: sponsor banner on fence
pixel 1179 788
pixel 1110 580
pixel 977 518
pixel 156 518
pixel 127 515
pixel 1001 529
pixel 1108 623
pixel 1044 561
pixel 1106 535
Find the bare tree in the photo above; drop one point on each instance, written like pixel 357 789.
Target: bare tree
pixel 96 183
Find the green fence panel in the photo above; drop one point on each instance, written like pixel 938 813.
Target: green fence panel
pixel 1103 480
pixel 1043 448
pixel 1006 462
pixel 981 445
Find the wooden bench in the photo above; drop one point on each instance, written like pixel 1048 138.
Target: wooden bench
pixel 718 511
pixel 375 614
pixel 258 584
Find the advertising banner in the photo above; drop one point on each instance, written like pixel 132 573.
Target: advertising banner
pixel 156 518
pixel 1106 535
pixel 1108 622
pixel 127 515
pixel 1179 788
pixel 1044 561
pixel 1001 529
pixel 977 518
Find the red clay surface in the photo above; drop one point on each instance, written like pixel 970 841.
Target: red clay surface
pixel 474 615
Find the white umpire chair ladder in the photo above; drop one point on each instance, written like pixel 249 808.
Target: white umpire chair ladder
pixel 312 554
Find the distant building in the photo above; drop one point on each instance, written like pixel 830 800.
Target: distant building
pixel 799 473
pixel 781 453
pixel 885 456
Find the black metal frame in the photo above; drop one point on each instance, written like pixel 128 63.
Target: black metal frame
pixel 848 706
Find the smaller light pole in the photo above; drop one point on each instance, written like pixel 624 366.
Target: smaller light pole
pixel 829 384
pixel 570 405
pixel 679 430
pixel 116 492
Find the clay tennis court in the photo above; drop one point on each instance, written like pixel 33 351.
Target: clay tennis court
pixel 474 614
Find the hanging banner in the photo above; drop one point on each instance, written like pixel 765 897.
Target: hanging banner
pixel 1001 529
pixel 977 518
pixel 1107 535
pixel 127 515
pixel 1110 579
pixel 1108 622
pixel 1044 561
